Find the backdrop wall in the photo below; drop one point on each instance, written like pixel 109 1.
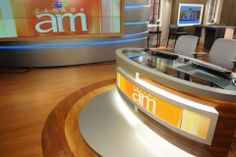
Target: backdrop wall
pixel 73 51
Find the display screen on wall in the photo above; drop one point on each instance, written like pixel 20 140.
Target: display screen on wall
pixel 44 18
pixel 190 14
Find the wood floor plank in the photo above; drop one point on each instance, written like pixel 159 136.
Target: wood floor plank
pixel 28 98
pixel 54 138
pixel 72 132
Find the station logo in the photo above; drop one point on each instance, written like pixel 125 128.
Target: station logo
pixel 60 16
pixel 59 4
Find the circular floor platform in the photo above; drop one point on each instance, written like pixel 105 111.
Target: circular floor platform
pixel 94 121
pixel 110 127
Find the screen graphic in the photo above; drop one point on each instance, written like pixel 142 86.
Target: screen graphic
pixel 30 18
pixel 190 14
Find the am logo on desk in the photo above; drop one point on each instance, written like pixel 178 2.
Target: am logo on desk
pixel 188 121
pixel 159 108
pixel 149 102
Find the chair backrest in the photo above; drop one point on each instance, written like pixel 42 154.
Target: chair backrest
pixel 173 29
pixel 185 45
pixel 223 52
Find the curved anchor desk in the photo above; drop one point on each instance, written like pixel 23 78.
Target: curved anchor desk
pixel 188 103
pixel 189 97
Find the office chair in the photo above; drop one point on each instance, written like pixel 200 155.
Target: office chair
pixel 222 53
pixel 186 45
pixel 175 31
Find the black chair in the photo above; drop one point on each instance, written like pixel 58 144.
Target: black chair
pixel 174 33
pixel 156 32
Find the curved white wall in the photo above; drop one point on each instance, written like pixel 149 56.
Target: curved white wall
pixel 62 52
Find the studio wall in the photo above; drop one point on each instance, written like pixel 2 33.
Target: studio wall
pixel 49 52
pixel 228 13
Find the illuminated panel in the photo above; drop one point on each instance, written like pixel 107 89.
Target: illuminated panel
pixel 136 6
pixel 27 18
pixel 136 23
pixel 181 118
pixel 7 26
pixel 67 45
pixel 169 112
pixel 160 108
pixel 195 124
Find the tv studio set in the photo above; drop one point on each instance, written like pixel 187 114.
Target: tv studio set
pixel 118 78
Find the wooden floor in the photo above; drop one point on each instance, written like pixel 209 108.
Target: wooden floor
pixel 61 134
pixel 28 98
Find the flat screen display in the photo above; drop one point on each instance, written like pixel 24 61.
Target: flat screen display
pixel 190 14
pixel 50 18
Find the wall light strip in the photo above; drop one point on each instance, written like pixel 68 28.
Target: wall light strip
pixel 68 45
pixel 136 34
pixel 136 23
pixel 136 6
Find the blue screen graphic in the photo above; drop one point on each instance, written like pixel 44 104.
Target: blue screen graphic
pixel 190 15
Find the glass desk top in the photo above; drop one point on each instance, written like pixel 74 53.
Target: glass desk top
pixel 184 68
